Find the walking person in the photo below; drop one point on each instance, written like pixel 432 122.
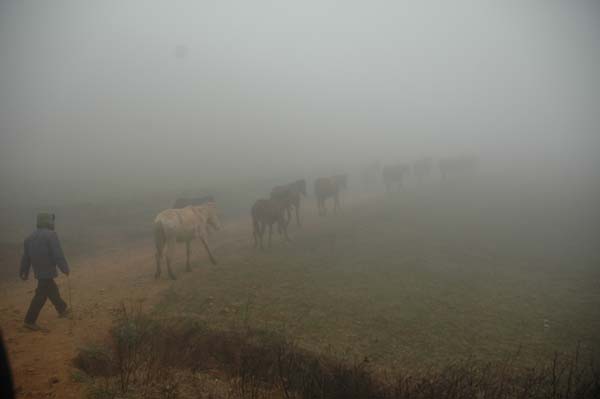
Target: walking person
pixel 43 253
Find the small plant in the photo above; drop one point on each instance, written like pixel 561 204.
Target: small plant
pixel 95 360
pixel 80 376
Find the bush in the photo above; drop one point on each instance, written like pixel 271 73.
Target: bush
pixel 95 361
pixel 148 355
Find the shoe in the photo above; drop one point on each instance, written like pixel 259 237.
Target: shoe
pixel 34 327
pixel 65 313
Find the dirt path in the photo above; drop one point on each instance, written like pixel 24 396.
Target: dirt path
pixel 42 361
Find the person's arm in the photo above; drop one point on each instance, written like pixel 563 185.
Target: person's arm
pixel 25 263
pixel 58 257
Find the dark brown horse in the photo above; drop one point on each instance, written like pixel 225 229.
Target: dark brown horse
pixel 395 174
pixel 422 168
pixel 329 187
pixel 265 213
pixel 290 195
pixel 459 166
pixel 370 173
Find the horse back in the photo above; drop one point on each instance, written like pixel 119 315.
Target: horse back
pixel 267 210
pixel 325 187
pixel 183 202
pixel 180 224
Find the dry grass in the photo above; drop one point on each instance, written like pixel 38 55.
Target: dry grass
pixel 421 278
pixel 152 358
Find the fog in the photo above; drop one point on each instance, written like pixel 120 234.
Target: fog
pixel 115 97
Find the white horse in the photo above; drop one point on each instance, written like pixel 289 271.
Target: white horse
pixel 183 225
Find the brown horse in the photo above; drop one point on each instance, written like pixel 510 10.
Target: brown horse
pixel 459 166
pixel 183 225
pixel 329 187
pixel 290 195
pixel 395 174
pixel 370 173
pixel 265 213
pixel 422 168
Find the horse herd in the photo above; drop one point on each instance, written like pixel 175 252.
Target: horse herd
pixel 191 218
pixel 394 175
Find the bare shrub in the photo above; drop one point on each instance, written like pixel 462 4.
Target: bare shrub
pixel 149 355
pixel 95 360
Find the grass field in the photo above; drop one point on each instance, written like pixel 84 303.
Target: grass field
pixel 439 274
pixel 422 277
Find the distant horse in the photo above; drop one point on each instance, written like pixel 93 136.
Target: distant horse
pixel 265 213
pixel 395 174
pixel 290 196
pixel 183 225
pixel 329 187
pixel 370 173
pixel 422 168
pixel 458 166
pixel 183 202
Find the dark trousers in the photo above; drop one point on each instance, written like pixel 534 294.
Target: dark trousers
pixel 46 289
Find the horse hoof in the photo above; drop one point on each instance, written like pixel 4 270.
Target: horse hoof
pixel 172 277
pixel 156 275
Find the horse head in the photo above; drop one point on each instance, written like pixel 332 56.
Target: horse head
pixel 212 217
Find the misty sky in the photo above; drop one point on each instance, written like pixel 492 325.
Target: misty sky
pixel 126 91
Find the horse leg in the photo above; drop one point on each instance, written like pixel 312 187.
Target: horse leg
pixel 261 232
pixel 158 256
pixel 171 275
pixel 187 256
pixel 297 207
pixel 270 233
pixel 288 213
pixel 210 255
pixel 159 242
pixel 254 233
pixel 285 234
pixel 170 257
pixel 319 206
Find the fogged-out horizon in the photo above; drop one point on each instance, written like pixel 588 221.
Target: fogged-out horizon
pixel 114 97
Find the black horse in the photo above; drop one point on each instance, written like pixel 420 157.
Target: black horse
pixel 290 195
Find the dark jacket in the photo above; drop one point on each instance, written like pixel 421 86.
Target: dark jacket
pixel 42 251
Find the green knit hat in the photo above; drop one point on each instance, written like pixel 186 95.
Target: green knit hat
pixel 45 220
